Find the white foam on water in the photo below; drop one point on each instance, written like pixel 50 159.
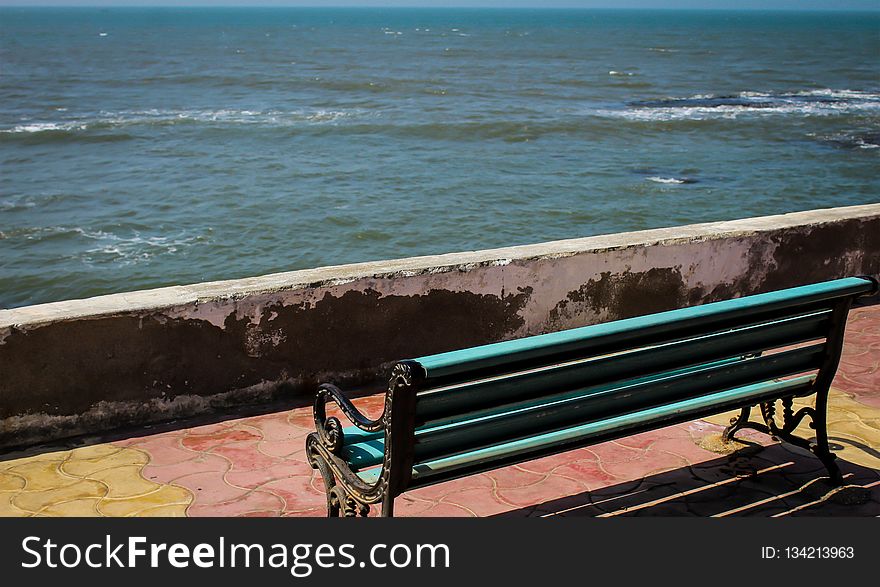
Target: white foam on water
pixel 823 102
pixel 96 246
pixel 34 127
pixel 157 117
pixel 135 248
pixel 666 180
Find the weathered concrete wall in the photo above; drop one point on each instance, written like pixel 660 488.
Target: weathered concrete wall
pixel 89 365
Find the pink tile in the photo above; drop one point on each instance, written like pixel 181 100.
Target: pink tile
pixel 167 454
pixel 255 502
pixel 407 506
pixel 448 510
pixel 653 462
pixel 251 478
pixel 611 452
pixel 479 501
pixel 588 472
pixel 275 427
pixel 245 456
pixel 547 464
pixel 510 477
pixel 297 492
pixel 434 492
pixel 200 463
pixel 646 439
pixel 686 449
pixel 284 448
pixel 209 488
pixel 553 487
pixel 197 440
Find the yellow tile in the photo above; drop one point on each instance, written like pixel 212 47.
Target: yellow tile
pixel 34 501
pixel 164 511
pixel 125 481
pixel 11 482
pixel 7 509
pixel 166 495
pixel 41 475
pixel 56 456
pixel 95 451
pixel 78 508
pixel 84 463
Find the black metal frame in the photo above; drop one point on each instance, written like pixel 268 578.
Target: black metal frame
pixel 818 414
pixel 347 493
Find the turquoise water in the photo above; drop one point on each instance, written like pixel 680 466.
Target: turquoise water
pixel 150 147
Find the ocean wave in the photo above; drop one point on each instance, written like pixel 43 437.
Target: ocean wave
pixel 134 248
pixel 671 180
pixel 823 102
pixel 124 246
pixel 91 126
pixel 851 140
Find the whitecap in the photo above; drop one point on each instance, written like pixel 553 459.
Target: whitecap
pixel 156 117
pixel 39 127
pixel 133 248
pixel 824 102
pixel 667 180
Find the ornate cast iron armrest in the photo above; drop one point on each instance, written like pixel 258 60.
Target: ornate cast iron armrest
pixel 330 430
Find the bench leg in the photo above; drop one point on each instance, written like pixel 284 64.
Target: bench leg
pixel 736 423
pixel 388 506
pixel 333 502
pixel 818 422
pixel 339 500
pixel 790 421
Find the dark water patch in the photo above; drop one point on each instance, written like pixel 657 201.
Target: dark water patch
pixel 852 141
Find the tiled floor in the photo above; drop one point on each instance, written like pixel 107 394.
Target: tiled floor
pixel 255 466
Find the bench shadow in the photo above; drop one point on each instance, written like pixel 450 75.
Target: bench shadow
pixel 774 481
pixel 215 416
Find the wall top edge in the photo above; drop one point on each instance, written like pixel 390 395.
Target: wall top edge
pixel 165 297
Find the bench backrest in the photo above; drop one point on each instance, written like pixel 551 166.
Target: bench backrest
pixel 482 396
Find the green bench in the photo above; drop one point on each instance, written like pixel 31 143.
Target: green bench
pixel 462 412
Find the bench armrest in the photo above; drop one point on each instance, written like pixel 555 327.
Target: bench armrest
pixel 330 429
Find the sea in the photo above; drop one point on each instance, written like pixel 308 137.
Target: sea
pixel 145 147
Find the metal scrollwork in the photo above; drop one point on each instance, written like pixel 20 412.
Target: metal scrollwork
pixel 790 421
pixel 768 413
pixel 347 493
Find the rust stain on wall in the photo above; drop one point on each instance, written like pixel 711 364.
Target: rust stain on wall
pixel 64 368
pixel 625 294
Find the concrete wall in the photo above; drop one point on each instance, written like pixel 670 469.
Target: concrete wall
pixel 90 365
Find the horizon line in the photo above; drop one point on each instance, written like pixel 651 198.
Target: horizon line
pixel 451 6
